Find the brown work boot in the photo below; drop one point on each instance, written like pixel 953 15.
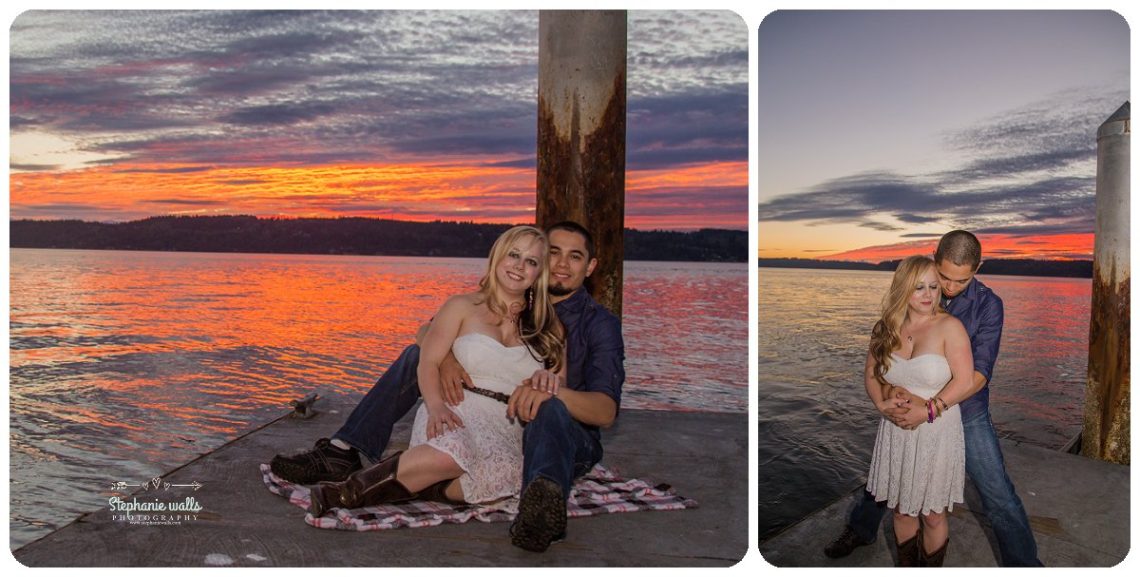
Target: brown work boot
pixel 542 516
pixel 843 545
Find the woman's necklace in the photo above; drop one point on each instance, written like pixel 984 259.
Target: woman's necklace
pixel 514 316
pixel 909 337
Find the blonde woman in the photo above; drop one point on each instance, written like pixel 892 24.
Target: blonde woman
pixel 921 472
pixel 505 332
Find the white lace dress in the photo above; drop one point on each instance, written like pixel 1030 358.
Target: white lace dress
pixel 924 470
pixel 488 447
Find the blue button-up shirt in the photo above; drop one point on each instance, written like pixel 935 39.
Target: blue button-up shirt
pixel 595 351
pixel 982 312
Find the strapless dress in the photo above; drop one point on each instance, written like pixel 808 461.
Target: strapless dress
pixel 924 470
pixel 488 447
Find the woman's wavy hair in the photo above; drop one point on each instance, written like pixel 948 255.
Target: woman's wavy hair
pixel 886 336
pixel 539 327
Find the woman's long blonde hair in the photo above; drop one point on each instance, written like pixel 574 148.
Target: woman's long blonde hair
pixel 887 334
pixel 539 327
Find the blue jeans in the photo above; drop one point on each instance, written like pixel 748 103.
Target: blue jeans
pixel 557 447
pixel 1003 508
pixel 369 427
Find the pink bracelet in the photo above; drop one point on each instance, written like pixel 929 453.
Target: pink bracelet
pixel 929 411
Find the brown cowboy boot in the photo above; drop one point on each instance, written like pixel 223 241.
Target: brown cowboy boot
pixel 934 559
pixel 909 551
pixel 370 486
pixel 438 492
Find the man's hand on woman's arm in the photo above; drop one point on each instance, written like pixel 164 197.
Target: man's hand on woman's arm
pixel 434 346
pixel 452 377
pixel 886 404
pixel 911 410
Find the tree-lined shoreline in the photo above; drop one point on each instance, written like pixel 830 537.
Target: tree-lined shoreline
pixel 348 236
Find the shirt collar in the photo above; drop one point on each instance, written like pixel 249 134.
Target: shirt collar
pixel 967 293
pixel 574 302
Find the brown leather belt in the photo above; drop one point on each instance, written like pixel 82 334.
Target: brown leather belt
pixel 501 397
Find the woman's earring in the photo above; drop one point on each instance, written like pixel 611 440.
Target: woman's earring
pixel 530 298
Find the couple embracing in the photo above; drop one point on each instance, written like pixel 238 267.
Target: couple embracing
pixel 927 372
pixel 529 347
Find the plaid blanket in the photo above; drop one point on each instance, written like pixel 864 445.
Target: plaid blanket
pixel 599 491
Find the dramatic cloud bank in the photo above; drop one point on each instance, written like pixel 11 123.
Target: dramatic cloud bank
pixel 215 102
pixel 1030 172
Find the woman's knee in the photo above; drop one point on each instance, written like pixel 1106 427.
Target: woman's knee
pixel 431 461
pixel 445 465
pixel 934 520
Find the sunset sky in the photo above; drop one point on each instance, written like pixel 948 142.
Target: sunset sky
pixel 880 131
pixel 411 115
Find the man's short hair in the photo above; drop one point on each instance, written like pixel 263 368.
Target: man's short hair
pixel 571 226
pixel 961 248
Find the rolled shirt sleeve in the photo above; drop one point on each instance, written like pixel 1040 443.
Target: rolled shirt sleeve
pixel 987 339
pixel 605 367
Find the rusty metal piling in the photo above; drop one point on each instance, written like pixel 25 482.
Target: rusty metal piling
pixel 1108 390
pixel 581 134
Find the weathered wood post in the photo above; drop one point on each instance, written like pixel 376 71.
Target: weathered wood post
pixel 1108 390
pixel 581 134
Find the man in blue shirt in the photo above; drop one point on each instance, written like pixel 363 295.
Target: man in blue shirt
pixel 562 438
pixel 958 257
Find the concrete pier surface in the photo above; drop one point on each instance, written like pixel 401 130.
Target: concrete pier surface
pixel 1078 508
pixel 704 456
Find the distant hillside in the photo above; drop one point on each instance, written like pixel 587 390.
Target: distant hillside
pixel 367 236
pixel 1017 267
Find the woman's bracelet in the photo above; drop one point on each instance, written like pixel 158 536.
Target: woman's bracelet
pixel 929 411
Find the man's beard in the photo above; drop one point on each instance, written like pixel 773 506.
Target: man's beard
pixel 559 290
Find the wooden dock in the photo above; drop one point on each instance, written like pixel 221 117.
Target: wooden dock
pixel 1078 508
pixel 704 456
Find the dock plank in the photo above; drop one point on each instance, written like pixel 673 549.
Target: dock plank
pixel 1078 508
pixel 703 455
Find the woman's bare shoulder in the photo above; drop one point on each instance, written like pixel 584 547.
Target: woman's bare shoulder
pixel 470 299
pixel 461 304
pixel 949 325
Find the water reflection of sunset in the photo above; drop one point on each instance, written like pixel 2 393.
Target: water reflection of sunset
pixel 134 362
pixel 157 339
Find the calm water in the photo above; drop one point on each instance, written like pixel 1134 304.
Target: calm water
pixel 126 364
pixel 817 427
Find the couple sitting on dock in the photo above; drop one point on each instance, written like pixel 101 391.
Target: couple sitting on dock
pixel 529 347
pixel 931 357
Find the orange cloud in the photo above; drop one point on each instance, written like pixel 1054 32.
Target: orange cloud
pixel 1040 247
pixel 458 190
pixel 409 191
pixel 706 195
